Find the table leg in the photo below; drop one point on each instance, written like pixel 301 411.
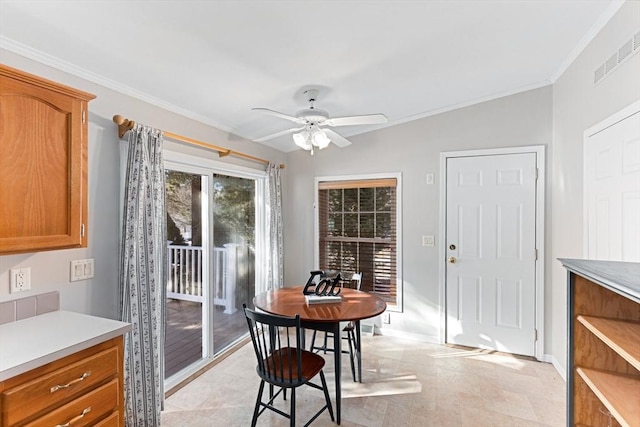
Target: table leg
pixel 358 345
pixel 337 354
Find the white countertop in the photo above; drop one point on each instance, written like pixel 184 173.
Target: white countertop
pixel 36 341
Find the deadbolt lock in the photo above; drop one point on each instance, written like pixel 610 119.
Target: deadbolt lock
pixel 452 247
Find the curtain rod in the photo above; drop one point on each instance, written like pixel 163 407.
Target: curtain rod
pixel 125 125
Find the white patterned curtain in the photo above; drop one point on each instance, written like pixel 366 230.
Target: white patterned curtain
pixel 275 265
pixel 142 276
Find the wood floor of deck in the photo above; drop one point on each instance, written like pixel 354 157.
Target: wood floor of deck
pixel 183 339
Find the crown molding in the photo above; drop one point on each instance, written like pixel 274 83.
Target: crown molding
pixel 468 103
pixel 67 67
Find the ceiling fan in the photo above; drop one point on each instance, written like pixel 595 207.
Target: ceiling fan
pixel 313 132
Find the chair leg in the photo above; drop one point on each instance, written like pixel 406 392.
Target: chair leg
pixel 325 343
pixel 313 340
pixel 292 420
pixel 357 346
pixel 352 351
pixel 326 394
pixel 257 408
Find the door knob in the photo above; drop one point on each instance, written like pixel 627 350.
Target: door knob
pixel 452 260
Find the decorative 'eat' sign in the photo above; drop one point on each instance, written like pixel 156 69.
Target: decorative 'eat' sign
pixel 325 287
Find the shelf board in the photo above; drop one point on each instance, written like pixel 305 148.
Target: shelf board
pixel 619 394
pixel 617 334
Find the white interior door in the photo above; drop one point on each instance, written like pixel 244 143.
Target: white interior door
pixel 491 252
pixel 612 191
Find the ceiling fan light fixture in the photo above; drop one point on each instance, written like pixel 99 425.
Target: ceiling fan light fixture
pixel 302 140
pixel 315 125
pixel 320 139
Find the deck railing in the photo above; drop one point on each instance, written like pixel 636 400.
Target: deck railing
pixel 185 279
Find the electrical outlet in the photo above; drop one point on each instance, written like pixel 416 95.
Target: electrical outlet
pixel 386 317
pixel 429 179
pixel 20 279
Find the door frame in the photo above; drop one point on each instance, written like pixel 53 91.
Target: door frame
pixel 539 150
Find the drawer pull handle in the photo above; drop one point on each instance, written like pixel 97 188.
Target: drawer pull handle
pixel 73 420
pixel 69 384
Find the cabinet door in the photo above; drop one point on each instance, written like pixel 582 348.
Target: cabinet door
pixel 42 167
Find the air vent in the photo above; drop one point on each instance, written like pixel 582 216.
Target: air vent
pixel 611 63
pixel 630 47
pixel 625 50
pixel 599 74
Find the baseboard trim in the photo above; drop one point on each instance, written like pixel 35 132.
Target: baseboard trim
pixel 549 358
pixel 408 335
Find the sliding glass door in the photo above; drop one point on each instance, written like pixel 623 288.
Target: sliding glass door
pixel 234 241
pixel 187 272
pixel 213 230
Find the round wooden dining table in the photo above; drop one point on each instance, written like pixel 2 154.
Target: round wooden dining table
pixel 354 306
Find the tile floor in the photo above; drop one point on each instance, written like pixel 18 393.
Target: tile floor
pixel 405 383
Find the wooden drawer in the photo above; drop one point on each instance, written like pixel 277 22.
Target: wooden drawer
pixel 83 411
pixel 59 386
pixel 112 420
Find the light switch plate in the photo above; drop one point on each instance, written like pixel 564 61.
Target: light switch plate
pixel 428 240
pixel 81 269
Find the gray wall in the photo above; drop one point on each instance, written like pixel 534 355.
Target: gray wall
pixel 555 116
pixel 50 270
pixel 413 149
pixel 578 104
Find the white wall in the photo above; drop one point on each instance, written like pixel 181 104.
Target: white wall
pixel 50 270
pixel 578 104
pixel 412 149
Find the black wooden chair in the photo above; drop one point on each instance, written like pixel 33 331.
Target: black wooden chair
pixel 348 329
pixel 282 362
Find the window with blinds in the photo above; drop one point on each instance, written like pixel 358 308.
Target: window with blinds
pixel 357 222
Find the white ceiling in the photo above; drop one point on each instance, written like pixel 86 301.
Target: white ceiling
pixel 215 60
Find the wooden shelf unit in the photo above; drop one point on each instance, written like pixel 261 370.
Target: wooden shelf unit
pixel 603 381
pixel 616 334
pixel 619 394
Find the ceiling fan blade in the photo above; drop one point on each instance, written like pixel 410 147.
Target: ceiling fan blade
pixel 336 139
pixel 369 119
pixel 277 134
pixel 278 114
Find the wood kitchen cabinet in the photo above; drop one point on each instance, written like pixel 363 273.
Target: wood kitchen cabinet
pixel 62 369
pixel 43 164
pixel 603 375
pixel 82 389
